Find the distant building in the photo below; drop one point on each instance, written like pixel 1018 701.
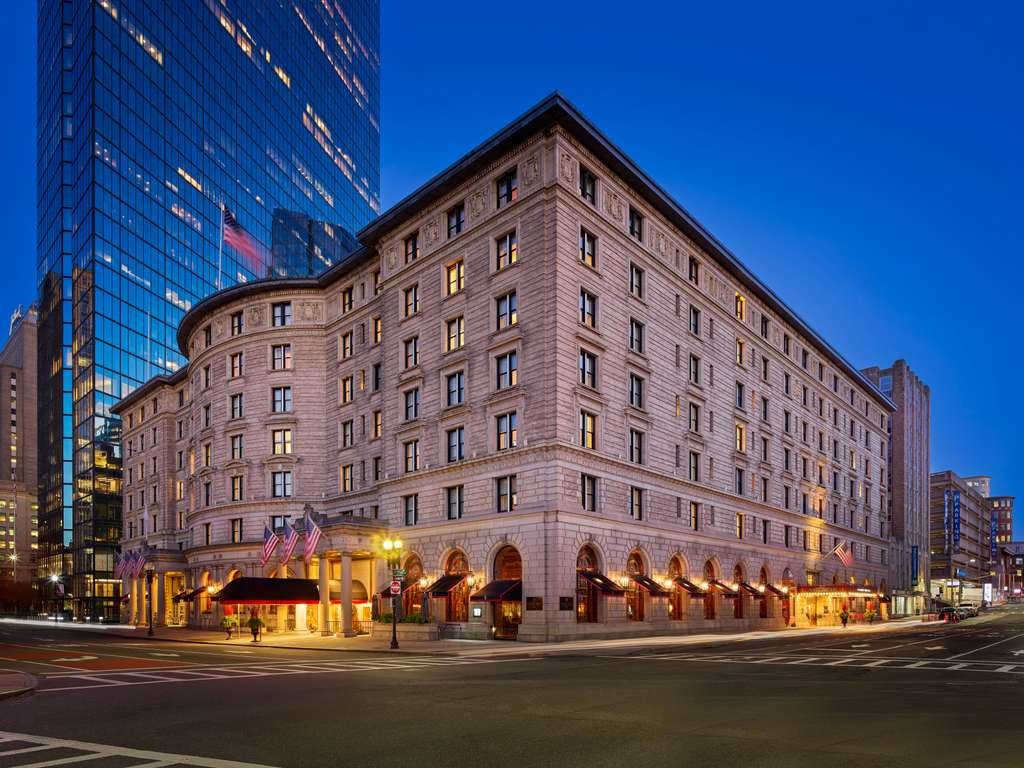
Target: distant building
pixel 19 522
pixel 981 483
pixel 963 552
pixel 303 247
pixel 907 466
pixel 1002 508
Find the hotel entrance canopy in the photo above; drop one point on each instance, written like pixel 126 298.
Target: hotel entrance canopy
pixel 250 590
pixel 500 591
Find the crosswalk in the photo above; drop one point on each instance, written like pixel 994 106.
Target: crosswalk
pixel 829 660
pixel 76 681
pixel 28 751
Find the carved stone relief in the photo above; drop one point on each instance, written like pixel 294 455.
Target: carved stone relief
pixel 257 315
pixel 531 170
pixel 310 311
pixel 431 232
pixel 478 203
pixel 567 168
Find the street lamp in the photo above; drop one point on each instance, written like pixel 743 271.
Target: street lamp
pixel 149 593
pixel 393 553
pixel 55 580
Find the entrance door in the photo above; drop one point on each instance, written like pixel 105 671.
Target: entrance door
pixel 507 618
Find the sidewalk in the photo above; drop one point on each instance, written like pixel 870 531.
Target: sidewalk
pixel 15 683
pixel 481 648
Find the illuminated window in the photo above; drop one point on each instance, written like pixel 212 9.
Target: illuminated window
pixel 507 430
pixel 588 248
pixel 411 302
pixel 507 250
pixel 456 334
pixel 741 307
pixel 588 308
pixel 507 188
pixel 588 430
pixel 506 370
pixel 281 442
pixel 741 438
pixel 740 351
pixel 455 276
pixel 506 310
pixel 281 357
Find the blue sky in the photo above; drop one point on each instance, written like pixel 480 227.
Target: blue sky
pixel 866 163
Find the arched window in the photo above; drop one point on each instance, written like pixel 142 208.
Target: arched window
pixel 412 598
pixel 709 597
pixel 508 564
pixel 456 607
pixel 676 603
pixel 737 602
pixel 762 581
pixel 508 614
pixel 634 594
pixel 586 592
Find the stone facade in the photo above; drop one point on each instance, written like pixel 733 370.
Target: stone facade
pixel 718 437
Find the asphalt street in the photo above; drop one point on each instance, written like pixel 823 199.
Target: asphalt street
pixel 922 696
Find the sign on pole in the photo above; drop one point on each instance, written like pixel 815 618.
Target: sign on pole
pixel 399 573
pixel 396 587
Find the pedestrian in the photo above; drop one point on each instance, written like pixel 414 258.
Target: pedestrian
pixel 844 617
pixel 255 625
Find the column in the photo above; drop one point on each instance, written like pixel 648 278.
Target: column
pixel 159 610
pixel 346 595
pixel 324 569
pixel 282 610
pixel 300 610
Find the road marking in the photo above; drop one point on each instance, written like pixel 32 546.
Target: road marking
pixel 861 645
pixel 100 751
pixel 934 647
pixel 1007 668
pixel 156 653
pixel 982 648
pixel 75 658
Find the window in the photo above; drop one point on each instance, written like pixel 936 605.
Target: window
pixel 347 390
pixel 740 350
pixel 346 479
pixel 236 526
pixel 636 391
pixel 411 247
pixel 347 297
pixel 506 309
pixel 281 485
pixel 741 438
pixel 411 352
pixel 207 454
pixel 636 281
pixel 376 428
pixel 411 451
pixel 236 364
pixel 507 370
pixel 764 449
pixel 740 520
pixel 786 343
pixel 236 405
pixel 507 188
pixel 636 503
pixel 237 448
pixel 281 313
pixel 237 323
pixel 207 499
pixel 636 446
pixel 636 336
pixel 588 492
pixel 456 336
pixel 507 250
pixel 411 300
pixel 206 376
pixel 764 368
pixel 456 444
pixel 804 358
pixel 740 476
pixel 281 357
pixel 740 396
pixel 764 408
pixel 455 501
pixel 455 277
pixel 764 327
pixel 693 270
pixel 237 488
pixel 456 219
pixel 281 398
pixel 588 369
pixel 505 490
pixel 412 404
pixel 346 345
pixel 207 336
pixel 694 515
pixel 281 442
pixel 588 186
pixel 588 430
pixel 636 224
pixel 588 308
pixel 506 425
pixel 411 508
pixel 741 308
pixel 694 320
pixel 694 417
pixel 694 370
pixel 588 248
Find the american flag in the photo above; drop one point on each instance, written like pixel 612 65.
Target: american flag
pixel 313 534
pixel 241 240
pixel 118 566
pixel 290 542
pixel 270 542
pixel 845 557
pixel 140 564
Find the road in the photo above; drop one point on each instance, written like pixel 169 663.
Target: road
pixel 923 696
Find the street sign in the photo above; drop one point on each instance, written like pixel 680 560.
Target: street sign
pixel 396 587
pixel 399 573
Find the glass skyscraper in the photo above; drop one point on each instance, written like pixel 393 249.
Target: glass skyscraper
pixel 158 120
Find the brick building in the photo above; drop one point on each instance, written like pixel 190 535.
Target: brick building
pixel 963 551
pixel 580 412
pixel 908 467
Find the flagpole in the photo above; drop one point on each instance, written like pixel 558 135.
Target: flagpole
pixel 220 248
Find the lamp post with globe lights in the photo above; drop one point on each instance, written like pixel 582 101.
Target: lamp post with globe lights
pixel 393 553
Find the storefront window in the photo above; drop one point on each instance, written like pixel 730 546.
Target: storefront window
pixel 586 592
pixel 762 581
pixel 709 598
pixel 737 602
pixel 676 604
pixel 412 598
pixel 634 593
pixel 456 607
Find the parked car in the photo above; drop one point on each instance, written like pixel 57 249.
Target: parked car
pixel 969 608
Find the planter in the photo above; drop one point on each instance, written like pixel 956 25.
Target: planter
pixel 405 631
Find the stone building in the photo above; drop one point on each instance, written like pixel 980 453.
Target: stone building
pixel 19 524
pixel 580 412
pixel 908 469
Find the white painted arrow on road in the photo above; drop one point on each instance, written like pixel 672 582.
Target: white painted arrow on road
pixel 75 658
pixel 934 647
pixel 154 653
pixel 1017 653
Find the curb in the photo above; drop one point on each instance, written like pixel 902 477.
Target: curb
pixel 427 652
pixel 31 681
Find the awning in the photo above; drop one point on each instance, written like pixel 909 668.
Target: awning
pixel 688 586
pixel 500 591
pixel 750 589
pixel 126 597
pixel 653 587
pixel 358 593
pixel 724 588
pixel 188 595
pixel 249 590
pixel 604 585
pixel 406 583
pixel 446 584
pixel 775 591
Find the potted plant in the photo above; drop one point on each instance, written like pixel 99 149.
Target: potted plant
pixel 229 624
pixel 255 626
pixel 870 616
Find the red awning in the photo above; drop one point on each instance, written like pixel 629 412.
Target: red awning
pixel 688 586
pixel 500 591
pixel 446 584
pixel 654 588
pixel 604 585
pixel 750 589
pixel 724 588
pixel 249 590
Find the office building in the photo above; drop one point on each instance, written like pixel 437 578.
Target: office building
pixel 581 414
pixel 165 131
pixel 908 469
pixel 963 553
